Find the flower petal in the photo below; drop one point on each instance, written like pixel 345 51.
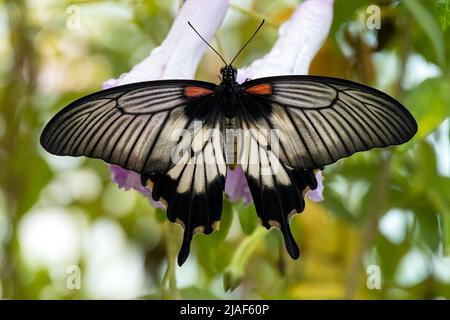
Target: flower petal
pixel 316 195
pixel 300 38
pixel 127 179
pixel 236 186
pixel 180 53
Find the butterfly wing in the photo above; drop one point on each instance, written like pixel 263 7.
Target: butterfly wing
pixel 300 123
pixel 134 126
pixel 321 120
pixel 193 189
pixel 162 130
pixel 277 190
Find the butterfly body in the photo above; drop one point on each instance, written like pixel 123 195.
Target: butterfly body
pixel 229 91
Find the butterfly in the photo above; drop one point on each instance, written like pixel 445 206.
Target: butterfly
pixel 181 136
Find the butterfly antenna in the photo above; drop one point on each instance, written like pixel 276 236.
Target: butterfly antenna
pixel 189 23
pixel 248 41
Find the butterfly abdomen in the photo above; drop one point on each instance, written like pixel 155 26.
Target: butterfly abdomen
pixel 231 143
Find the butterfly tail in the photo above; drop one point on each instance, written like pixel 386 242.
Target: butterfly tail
pixel 278 197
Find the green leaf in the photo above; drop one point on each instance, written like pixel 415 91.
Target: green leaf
pixel 424 172
pixel 247 217
pixel 336 204
pixel 345 10
pixel 430 26
pixel 429 103
pixel 225 223
pixel 442 8
pixel 429 229
pixel 438 194
pixel 160 214
pixel 38 177
pixel 446 223
pixel 359 166
pixel 390 255
pixel 213 252
pixel 153 18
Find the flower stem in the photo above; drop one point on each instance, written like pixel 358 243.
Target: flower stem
pixel 169 278
pixel 234 273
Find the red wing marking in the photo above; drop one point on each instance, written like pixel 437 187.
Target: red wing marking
pixel 193 91
pixel 262 89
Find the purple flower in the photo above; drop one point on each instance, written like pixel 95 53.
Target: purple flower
pixel 178 56
pixel 127 180
pixel 236 186
pixel 316 195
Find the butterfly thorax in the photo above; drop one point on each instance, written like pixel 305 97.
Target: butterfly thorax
pixel 229 94
pixel 229 90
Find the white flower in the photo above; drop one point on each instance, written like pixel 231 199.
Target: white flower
pixel 299 40
pixel 180 53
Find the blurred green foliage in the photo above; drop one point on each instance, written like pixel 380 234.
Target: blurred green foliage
pixel 443 12
pixel 386 208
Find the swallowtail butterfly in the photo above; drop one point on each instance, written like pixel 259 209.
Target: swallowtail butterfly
pixel 287 127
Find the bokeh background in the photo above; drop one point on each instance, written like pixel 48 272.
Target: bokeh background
pixel 382 232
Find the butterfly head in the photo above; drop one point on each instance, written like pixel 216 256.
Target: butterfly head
pixel 228 73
